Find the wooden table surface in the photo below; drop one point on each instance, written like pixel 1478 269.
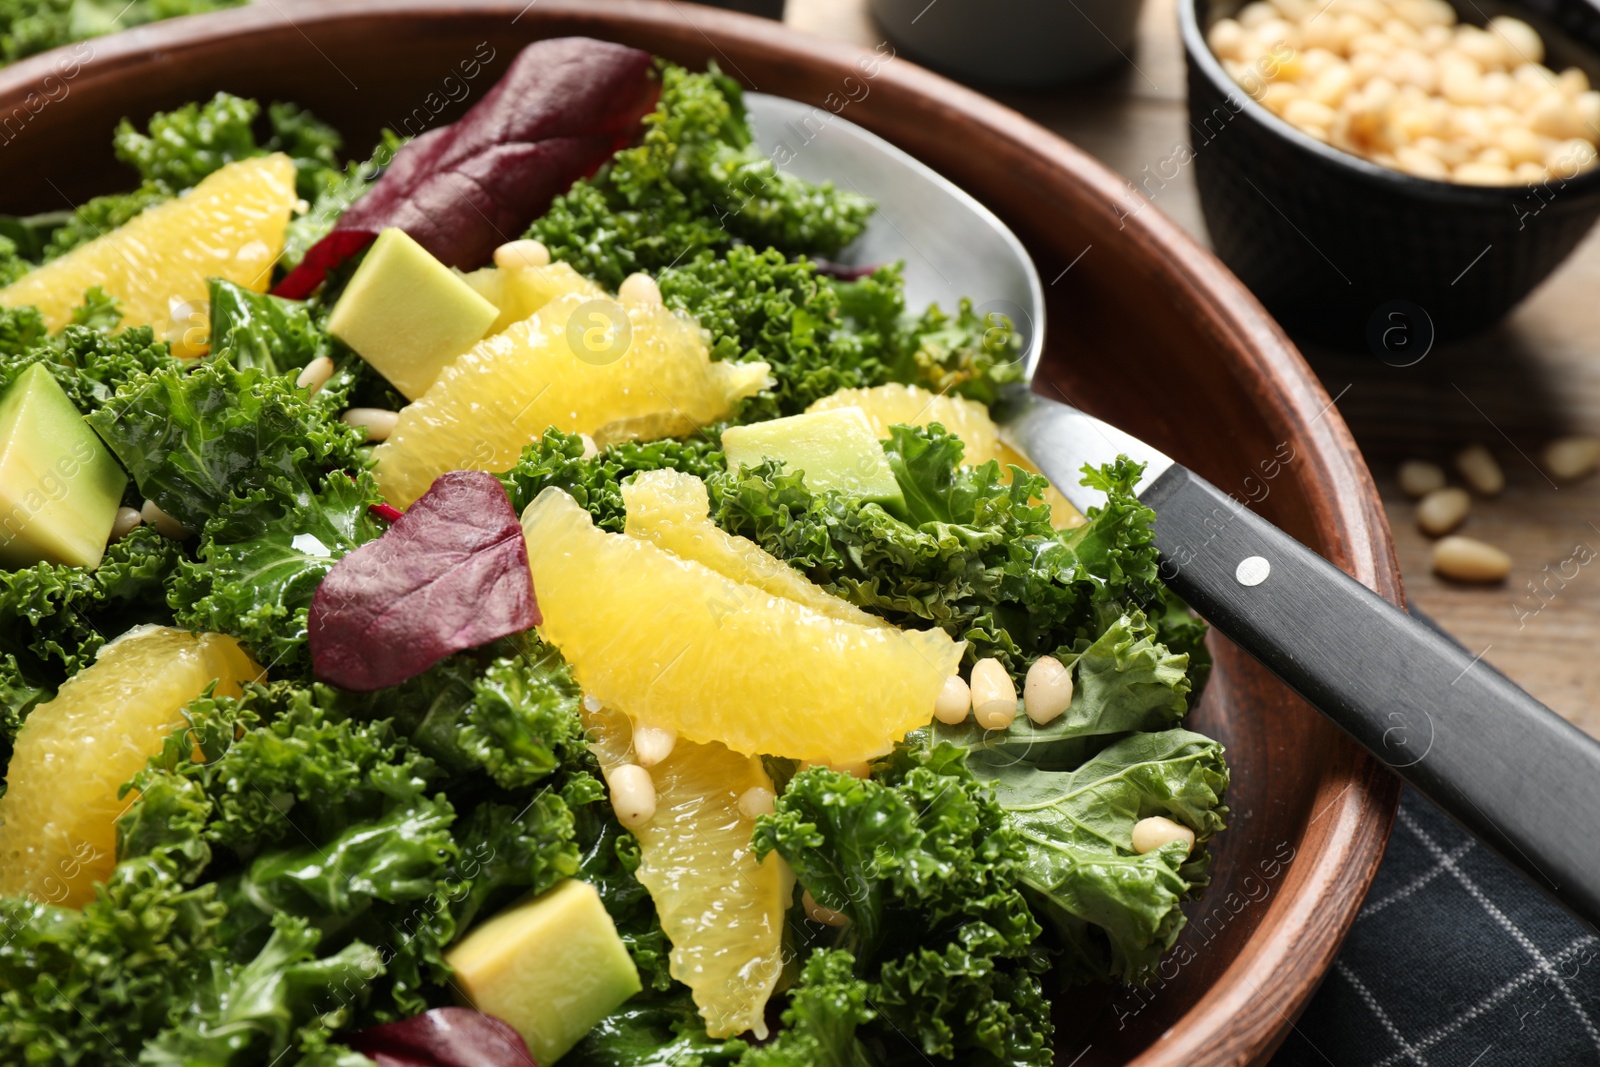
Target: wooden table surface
pixel 1533 378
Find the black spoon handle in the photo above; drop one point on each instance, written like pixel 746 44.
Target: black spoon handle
pixel 1514 773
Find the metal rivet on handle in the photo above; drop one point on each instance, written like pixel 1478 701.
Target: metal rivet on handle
pixel 1252 570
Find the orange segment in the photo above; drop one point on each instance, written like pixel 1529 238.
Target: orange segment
pixel 671 509
pixel 229 226
pixel 722 911
pixel 638 372
pixel 672 643
pixel 58 833
pixel 912 405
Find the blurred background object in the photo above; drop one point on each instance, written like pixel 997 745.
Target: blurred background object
pixel 1012 42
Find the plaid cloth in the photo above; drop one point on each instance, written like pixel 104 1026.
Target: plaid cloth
pixel 1455 960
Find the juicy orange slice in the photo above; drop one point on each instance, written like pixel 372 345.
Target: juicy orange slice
pixel 722 911
pixel 229 226
pixel 58 818
pixel 671 509
pixel 670 642
pixel 616 371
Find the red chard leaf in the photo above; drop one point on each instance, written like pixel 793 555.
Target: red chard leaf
pixel 450 574
pixel 562 109
pixel 443 1037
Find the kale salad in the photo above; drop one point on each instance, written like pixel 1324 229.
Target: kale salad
pixel 515 599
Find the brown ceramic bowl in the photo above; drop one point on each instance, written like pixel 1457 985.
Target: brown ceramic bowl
pixel 1147 330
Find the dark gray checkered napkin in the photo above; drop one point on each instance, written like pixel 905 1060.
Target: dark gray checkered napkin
pixel 1454 961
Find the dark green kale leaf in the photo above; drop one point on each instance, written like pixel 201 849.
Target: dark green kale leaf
pixel 595 483
pixel 30 26
pixel 759 305
pixel 695 182
pixel 54 618
pixel 258 330
pixel 186 144
pixel 609 859
pixel 507 852
pixel 976 557
pixel 257 1011
pixel 965 354
pixel 656 1032
pixel 1114 910
pixel 196 439
pixel 83 987
pixel 13 264
pixel 88 364
pixel 824 1012
pixel 260 560
pixel 922 860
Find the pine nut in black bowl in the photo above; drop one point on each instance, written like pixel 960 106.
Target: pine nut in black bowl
pixel 1346 250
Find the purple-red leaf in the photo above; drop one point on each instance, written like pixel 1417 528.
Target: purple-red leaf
pixel 450 574
pixel 443 1037
pixel 562 109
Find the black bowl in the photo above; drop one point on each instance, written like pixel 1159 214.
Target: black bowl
pixel 1347 251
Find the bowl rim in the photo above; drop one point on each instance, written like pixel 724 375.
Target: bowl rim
pixel 1199 55
pixel 1250 1006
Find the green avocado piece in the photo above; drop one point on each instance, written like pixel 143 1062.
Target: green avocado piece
pixel 59 486
pixel 833 449
pixel 552 967
pixel 407 314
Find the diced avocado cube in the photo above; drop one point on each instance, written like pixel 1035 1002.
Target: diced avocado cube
pixel 407 314
pixel 552 967
pixel 59 486
pixel 833 449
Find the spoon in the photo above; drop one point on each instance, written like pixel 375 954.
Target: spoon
pixel 1514 773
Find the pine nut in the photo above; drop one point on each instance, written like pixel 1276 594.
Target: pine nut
pixel 633 795
pixel 524 253
pixel 1443 510
pixel 121 526
pixel 590 449
pixel 1479 467
pixel 954 701
pixel 591 704
pixel 818 914
pixel 994 695
pixel 1418 478
pixel 315 374
pixel 1519 38
pixel 1047 690
pixel 639 289
pixel 652 744
pixel 378 422
pixel 1571 458
pixel 756 802
pixel 1150 834
pixel 1465 559
pixel 165 524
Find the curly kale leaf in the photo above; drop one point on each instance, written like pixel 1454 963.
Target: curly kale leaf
pixel 695 182
pixel 260 561
pixel 816 336
pixel 656 1032
pixel 13 264
pixel 30 26
pixel 184 145
pixel 256 1011
pixel 54 618
pixel 923 862
pixel 82 987
pixel 88 364
pixel 972 553
pixel 557 459
pixel 820 1023
pixel 330 192
pixel 194 440
pixel 1115 910
pixel 258 330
